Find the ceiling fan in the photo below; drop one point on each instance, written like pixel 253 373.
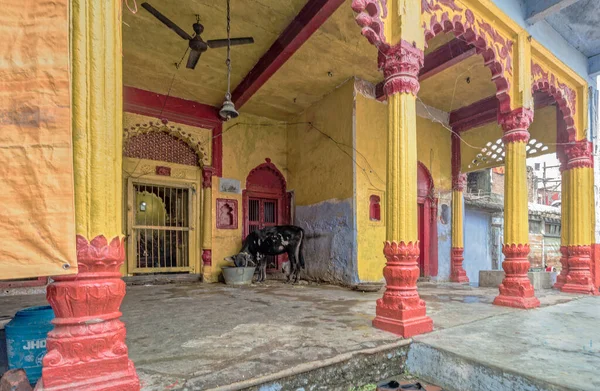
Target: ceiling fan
pixel 196 43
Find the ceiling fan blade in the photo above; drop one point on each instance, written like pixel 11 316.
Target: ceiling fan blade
pixel 166 21
pixel 221 43
pixel 193 59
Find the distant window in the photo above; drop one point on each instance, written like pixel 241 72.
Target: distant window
pixel 552 229
pixel 374 208
pixel 537 166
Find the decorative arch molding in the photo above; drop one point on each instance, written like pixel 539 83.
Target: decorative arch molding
pixel 266 178
pixel 198 145
pixel 443 16
pixel 564 95
pixel 424 178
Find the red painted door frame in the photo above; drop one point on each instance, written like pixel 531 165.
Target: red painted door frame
pixel 428 227
pixel 266 182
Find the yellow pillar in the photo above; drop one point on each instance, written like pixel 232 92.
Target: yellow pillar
pixel 457 272
pixel 399 39
pixel 207 173
pixel 86 348
pixel 516 289
pixel 579 234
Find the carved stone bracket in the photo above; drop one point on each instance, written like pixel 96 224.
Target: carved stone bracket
pixel 515 125
pixel 459 182
pixel 579 154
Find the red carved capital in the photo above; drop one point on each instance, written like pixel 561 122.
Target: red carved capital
pixel 516 124
pixel 207 174
pixel 516 251
pixel 207 257
pixel 459 182
pixel 370 17
pixel 401 64
pixel 579 154
pixel 99 256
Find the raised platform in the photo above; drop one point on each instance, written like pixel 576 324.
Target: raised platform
pixel 278 336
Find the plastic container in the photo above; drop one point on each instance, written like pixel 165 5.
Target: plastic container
pixel 26 340
pixel 238 275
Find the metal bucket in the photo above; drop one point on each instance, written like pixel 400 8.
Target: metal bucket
pixel 26 340
pixel 238 275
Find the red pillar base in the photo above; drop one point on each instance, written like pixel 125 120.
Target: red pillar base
pixel 580 279
pixel 401 311
pixel 458 273
pixel 562 277
pixel 86 348
pixel 516 290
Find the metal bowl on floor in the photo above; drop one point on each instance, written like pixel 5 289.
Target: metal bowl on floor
pixel 238 275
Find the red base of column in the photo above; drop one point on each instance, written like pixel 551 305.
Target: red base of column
pixel 580 279
pixel 516 289
pixel 401 311
pixel 458 273
pixel 86 348
pixel 562 277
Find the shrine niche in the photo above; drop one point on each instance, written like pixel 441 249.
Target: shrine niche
pixel 227 213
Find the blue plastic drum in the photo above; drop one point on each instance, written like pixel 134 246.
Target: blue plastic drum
pixel 26 340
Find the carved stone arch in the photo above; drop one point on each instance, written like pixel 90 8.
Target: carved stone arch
pixel 444 16
pixel 195 143
pixel 565 97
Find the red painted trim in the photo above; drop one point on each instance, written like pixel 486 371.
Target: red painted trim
pixel 446 56
pixel 178 110
pixel 485 111
pixel 456 157
pixel 255 189
pixel 430 240
pixel 476 114
pixel 308 20
pixel 596 265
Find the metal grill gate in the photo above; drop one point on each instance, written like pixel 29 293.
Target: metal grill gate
pixel 262 213
pixel 160 228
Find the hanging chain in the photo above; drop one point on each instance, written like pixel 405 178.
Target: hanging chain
pixel 228 61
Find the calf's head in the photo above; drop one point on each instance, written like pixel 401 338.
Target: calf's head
pixel 241 260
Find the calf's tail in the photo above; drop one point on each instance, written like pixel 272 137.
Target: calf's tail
pixel 301 253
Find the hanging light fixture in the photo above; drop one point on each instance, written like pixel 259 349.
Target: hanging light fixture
pixel 228 110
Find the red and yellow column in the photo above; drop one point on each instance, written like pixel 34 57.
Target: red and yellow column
pixel 457 272
pixel 516 289
pixel 580 231
pixel 86 348
pixel 399 40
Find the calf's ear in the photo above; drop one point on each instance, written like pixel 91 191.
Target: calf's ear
pixel 229 259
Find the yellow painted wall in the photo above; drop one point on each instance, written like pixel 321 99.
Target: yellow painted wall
pixel 433 150
pixel 247 142
pixel 319 168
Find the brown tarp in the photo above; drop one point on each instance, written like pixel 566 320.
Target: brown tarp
pixel 37 215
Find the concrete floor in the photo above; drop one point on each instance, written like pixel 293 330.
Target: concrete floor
pixel 203 336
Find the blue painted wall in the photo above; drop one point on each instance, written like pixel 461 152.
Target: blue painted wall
pixel 478 254
pixel 444 239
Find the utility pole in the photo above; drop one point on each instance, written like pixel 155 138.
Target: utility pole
pixel 544 184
